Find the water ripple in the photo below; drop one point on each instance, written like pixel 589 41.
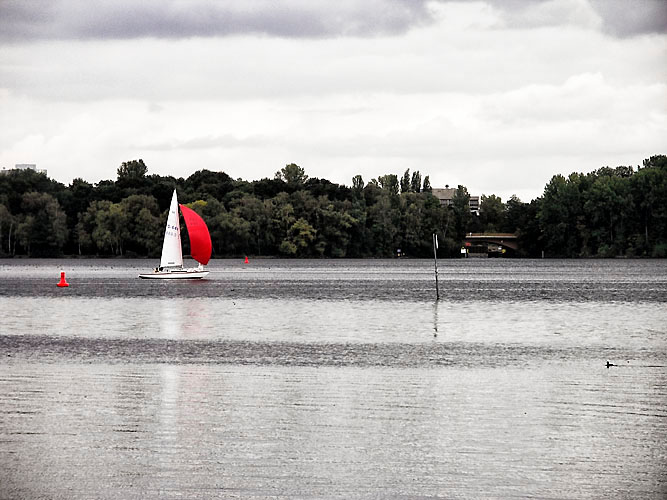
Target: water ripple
pixel 395 355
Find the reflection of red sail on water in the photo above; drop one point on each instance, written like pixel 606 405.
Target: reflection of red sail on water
pixel 171 262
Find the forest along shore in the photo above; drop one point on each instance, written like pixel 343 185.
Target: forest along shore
pixel 609 212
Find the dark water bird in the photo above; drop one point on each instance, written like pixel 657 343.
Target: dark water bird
pixel 610 364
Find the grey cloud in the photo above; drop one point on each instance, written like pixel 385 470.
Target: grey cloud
pixel 625 18
pixel 620 18
pixel 26 20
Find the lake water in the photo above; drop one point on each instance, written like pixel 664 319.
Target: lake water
pixel 334 379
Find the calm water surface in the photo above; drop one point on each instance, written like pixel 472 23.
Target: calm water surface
pixel 334 379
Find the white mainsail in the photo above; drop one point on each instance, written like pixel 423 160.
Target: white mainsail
pixel 172 255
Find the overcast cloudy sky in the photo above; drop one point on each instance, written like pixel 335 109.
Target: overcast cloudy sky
pixel 495 95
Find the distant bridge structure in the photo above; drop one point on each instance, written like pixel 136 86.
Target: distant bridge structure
pixel 505 240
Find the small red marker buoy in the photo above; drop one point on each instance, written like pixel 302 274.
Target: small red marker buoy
pixel 62 281
pixel 246 260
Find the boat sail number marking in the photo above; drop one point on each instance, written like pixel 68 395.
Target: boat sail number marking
pixel 175 230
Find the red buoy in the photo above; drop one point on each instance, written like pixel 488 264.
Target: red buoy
pixel 246 260
pixel 62 281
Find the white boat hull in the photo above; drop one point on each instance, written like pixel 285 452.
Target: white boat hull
pixel 176 274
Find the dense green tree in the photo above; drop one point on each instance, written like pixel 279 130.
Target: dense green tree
pixel 649 192
pixel 415 183
pixel 372 192
pixel 389 183
pixel 305 206
pixel 491 213
pixel 561 216
pixel 438 220
pixel 258 216
pixel 358 245
pixel 282 213
pixel 16 183
pixel 161 188
pixel 383 223
pixel 427 185
pixel 513 215
pixel 131 179
pixel 231 235
pixel 266 189
pixel 7 227
pixel 112 191
pixel 111 227
pixel 336 225
pixel 411 229
pixel 530 235
pixel 405 181
pixel 302 235
pixel 144 225
pixel 604 206
pixel 657 161
pixel 83 232
pixel 287 248
pixel 103 226
pixel 76 199
pixel 42 230
pixel 205 183
pixel 132 170
pixel 461 210
pixel 323 187
pixel 292 174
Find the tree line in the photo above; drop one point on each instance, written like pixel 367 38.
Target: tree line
pixel 609 212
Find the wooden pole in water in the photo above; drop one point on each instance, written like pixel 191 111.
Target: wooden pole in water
pixel 435 263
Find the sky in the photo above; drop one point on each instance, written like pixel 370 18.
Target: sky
pixel 495 95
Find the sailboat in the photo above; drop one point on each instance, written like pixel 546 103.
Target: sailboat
pixel 171 262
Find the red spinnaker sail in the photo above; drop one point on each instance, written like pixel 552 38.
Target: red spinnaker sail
pixel 200 239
